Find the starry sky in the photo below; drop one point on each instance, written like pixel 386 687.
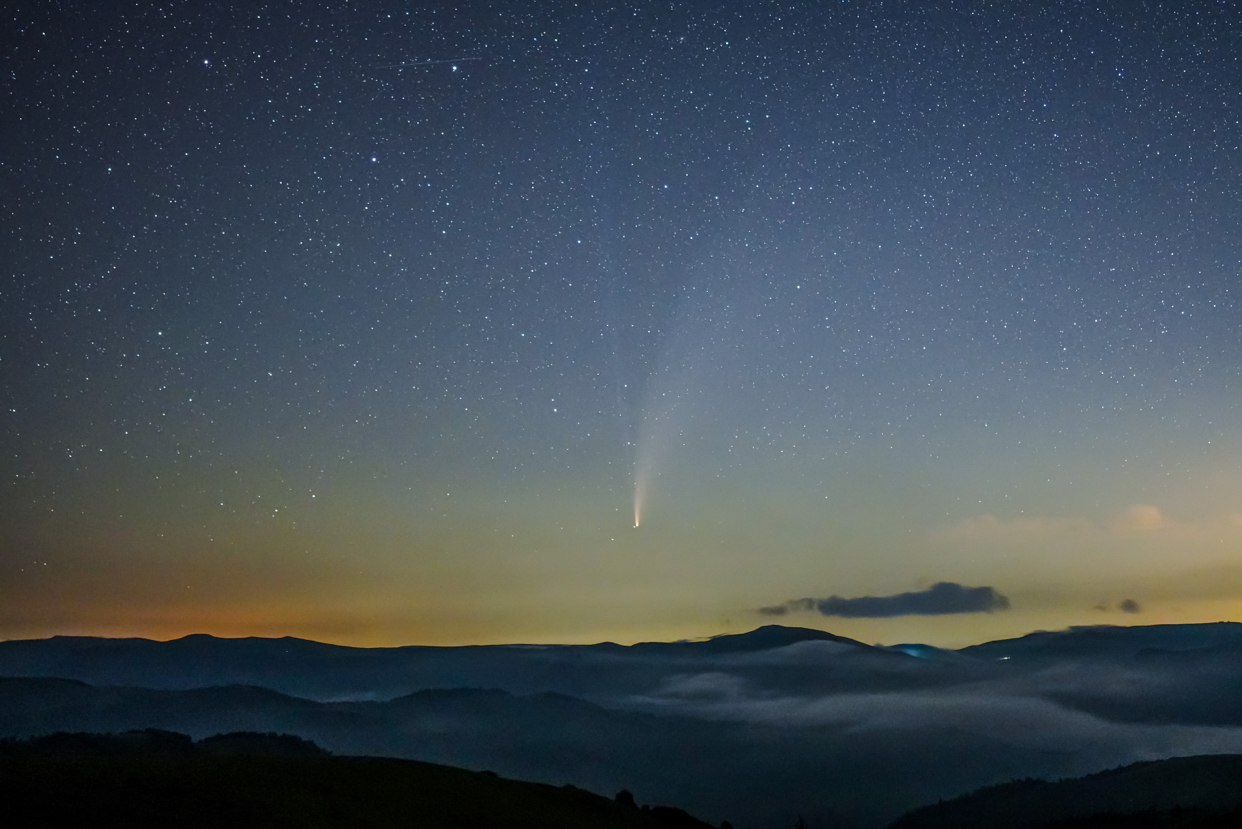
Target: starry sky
pixel 386 322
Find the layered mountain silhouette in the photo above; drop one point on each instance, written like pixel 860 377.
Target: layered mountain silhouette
pixel 756 729
pixel 1187 792
pixel 320 671
pixel 1110 641
pixel 154 778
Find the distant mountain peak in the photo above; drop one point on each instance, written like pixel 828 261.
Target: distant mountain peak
pixel 762 638
pixel 1114 640
pixel 778 635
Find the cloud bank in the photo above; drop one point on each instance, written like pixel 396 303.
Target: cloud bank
pixel 1014 713
pixel 941 599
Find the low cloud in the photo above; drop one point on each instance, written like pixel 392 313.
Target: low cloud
pixel 793 605
pixel 941 599
pixel 705 687
pixel 1125 606
pixel 1019 714
pixel 1100 712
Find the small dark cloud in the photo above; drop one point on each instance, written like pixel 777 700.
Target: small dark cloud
pixel 1129 606
pixel 791 605
pixel 940 599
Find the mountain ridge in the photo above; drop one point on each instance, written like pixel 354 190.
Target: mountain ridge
pixel 1202 788
pixel 744 727
pixel 160 778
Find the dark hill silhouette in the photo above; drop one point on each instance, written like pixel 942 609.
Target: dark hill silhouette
pixel 34 706
pixel 759 639
pixel 1189 792
pixel 326 672
pixel 253 744
pixel 160 779
pixel 1111 642
pixel 751 775
pixel 148 742
pixel 1173 673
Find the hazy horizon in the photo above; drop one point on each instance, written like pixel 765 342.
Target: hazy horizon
pixel 827 628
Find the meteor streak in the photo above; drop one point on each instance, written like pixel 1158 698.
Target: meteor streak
pixel 426 62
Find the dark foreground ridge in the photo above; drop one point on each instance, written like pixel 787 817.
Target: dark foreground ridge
pixel 156 778
pixel 1201 792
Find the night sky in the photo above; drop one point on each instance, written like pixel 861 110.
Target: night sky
pixel 385 323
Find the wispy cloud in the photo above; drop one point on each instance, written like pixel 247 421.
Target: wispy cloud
pixel 1139 549
pixel 941 599
pixel 1047 711
pixel 791 606
pixel 1122 525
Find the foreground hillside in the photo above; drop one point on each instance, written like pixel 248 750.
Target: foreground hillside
pixel 163 779
pixel 1201 792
